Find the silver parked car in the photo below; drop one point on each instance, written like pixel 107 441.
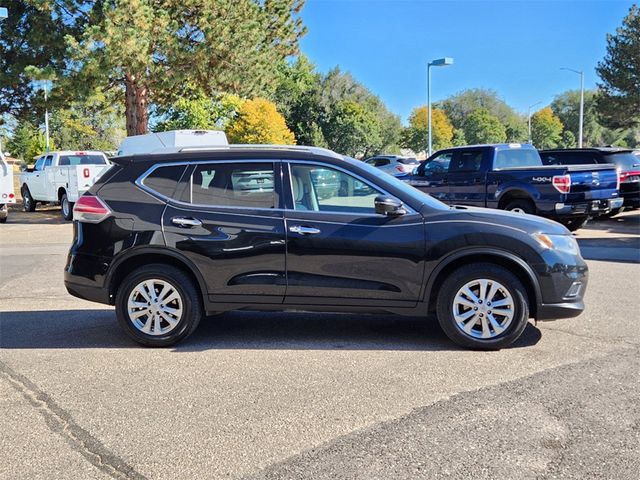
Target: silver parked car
pixel 393 164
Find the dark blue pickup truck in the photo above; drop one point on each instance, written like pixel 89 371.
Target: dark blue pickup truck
pixel 512 177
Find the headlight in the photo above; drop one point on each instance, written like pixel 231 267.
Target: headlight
pixel 560 243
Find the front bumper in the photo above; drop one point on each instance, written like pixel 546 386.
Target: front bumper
pixel 593 207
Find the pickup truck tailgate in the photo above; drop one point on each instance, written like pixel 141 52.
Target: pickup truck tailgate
pixel 86 176
pixel 593 182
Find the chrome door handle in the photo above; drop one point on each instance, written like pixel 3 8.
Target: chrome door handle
pixel 304 230
pixel 186 222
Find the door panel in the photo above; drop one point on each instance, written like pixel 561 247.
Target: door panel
pixel 238 246
pixel 467 180
pixel 432 176
pixel 337 248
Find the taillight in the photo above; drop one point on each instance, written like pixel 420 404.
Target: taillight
pixel 399 168
pixel 90 209
pixel 562 183
pixel 86 173
pixel 633 176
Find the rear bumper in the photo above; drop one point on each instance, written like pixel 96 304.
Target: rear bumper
pixel 593 207
pixel 86 292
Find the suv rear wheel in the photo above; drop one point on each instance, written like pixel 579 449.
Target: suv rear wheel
pixel 158 305
pixel 483 306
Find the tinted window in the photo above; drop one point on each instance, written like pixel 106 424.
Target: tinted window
pixel 379 162
pixel 439 164
pixel 48 161
pixel 515 157
pixel 164 180
pixel 569 158
pixel 82 160
pixel 234 185
pixel 466 162
pixel 325 189
pixel 39 164
pixel 626 160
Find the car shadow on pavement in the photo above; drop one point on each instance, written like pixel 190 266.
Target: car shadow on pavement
pixel 626 223
pixel 613 249
pixel 42 216
pixel 78 329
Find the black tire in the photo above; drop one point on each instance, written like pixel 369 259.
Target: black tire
pixel 66 207
pixel 189 295
pixel 4 213
pixel 476 271
pixel 28 203
pixel 574 224
pixel 521 205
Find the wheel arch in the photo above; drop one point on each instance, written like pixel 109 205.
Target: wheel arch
pixel 511 262
pixel 515 193
pixel 61 191
pixel 141 257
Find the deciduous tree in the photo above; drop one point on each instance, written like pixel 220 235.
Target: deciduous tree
pixel 482 127
pixel 258 121
pixel 415 135
pixel 546 129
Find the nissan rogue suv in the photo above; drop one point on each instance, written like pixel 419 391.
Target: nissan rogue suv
pixel 170 238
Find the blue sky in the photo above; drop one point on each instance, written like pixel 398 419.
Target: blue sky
pixel 513 47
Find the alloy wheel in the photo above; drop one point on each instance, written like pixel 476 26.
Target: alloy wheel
pixel 155 307
pixel 483 308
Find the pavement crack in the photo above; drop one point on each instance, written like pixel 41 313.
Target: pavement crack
pixel 59 421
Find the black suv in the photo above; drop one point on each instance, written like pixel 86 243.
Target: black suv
pixel 628 167
pixel 168 238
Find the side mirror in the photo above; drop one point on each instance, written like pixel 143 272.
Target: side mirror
pixel 23 167
pixel 414 172
pixel 389 206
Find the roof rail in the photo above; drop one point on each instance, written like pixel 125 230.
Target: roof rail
pixel 252 146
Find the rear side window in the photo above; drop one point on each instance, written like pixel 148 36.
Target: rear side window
pixel 233 185
pixel 408 161
pixel 164 180
pixel 82 160
pixel 514 158
pixel 626 160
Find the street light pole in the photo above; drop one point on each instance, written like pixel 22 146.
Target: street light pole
pixel 440 62
pixel 581 120
pixel 529 117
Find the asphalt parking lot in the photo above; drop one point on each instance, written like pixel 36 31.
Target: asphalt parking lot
pixel 296 395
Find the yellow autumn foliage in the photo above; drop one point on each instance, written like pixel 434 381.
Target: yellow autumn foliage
pixel 258 121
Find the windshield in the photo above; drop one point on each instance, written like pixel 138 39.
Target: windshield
pixel 626 160
pixel 402 186
pixel 96 159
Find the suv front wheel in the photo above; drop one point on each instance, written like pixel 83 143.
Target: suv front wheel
pixel 158 305
pixel 483 306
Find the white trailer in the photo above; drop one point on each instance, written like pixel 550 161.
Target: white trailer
pixel 61 177
pixel 7 195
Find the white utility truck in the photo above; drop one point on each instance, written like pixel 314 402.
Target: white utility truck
pixel 7 195
pixel 61 177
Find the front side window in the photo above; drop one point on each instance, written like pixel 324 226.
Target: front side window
pixel 248 185
pixel 324 189
pixel 39 164
pixel 439 164
pixel 48 161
